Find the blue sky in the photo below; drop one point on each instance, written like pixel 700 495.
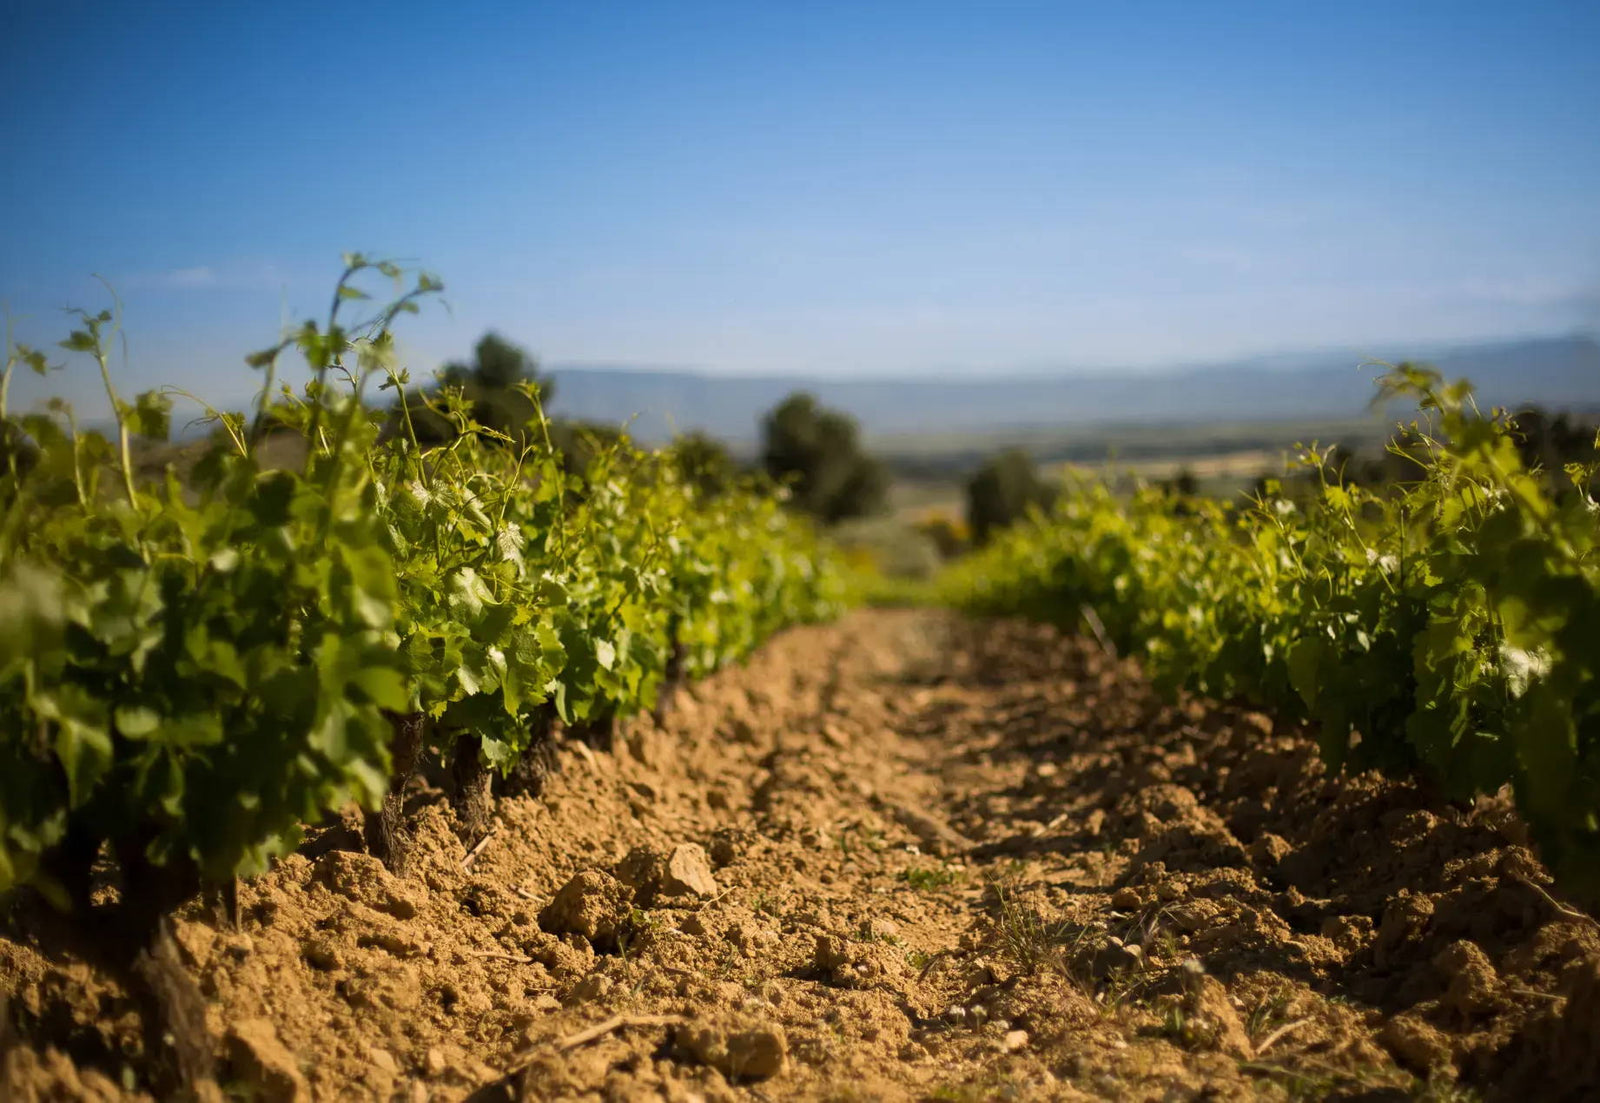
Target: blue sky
pixel 875 188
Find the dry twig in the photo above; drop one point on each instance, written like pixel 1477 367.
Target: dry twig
pixel 477 847
pixel 616 1022
pixel 1282 1032
pixel 1569 913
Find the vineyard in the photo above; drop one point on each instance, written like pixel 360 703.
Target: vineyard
pixel 481 768
pixel 1450 630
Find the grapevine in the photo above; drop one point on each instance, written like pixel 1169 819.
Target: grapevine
pixel 1448 628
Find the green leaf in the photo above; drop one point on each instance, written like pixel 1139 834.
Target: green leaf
pixel 150 416
pixel 137 721
pixel 1304 661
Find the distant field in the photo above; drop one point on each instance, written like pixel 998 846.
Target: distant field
pixel 951 456
pixel 930 469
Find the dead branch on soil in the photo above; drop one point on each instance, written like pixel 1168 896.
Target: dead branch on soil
pixel 1278 1035
pixel 1098 628
pixel 613 1024
pixel 477 847
pixel 1564 910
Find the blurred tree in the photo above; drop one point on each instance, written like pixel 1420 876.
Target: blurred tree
pixel 490 385
pixel 704 462
pixel 1002 491
pixel 818 452
pixel 579 442
pixel 1183 483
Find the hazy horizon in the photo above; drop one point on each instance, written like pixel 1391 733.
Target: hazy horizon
pixel 893 191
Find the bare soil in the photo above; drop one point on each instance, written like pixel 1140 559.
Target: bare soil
pixel 907 856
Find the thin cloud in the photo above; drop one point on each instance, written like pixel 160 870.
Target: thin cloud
pixel 206 277
pixel 202 276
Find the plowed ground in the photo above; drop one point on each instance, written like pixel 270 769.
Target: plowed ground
pixel 944 860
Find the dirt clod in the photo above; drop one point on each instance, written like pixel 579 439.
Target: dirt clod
pixel 593 905
pixel 755 1052
pixel 259 1061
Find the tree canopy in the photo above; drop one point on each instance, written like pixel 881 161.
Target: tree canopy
pixel 1002 491
pixel 818 452
pixel 491 383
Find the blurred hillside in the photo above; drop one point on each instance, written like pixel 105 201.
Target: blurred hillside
pixel 1330 385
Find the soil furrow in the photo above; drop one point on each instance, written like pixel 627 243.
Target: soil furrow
pixel 907 856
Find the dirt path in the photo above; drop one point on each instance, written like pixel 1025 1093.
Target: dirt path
pixel 902 857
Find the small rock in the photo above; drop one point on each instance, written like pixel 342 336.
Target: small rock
pixel 1348 932
pixel 1115 957
pixel 1405 917
pixel 383 1060
pixel 757 1053
pixel 322 954
pixel 1415 1043
pixel 1474 984
pixel 1015 1040
pixel 592 905
pixel 688 873
pixel 1260 721
pixel 1208 1002
pixel 684 872
pixel 259 1060
pixel 595 986
pixel 1126 898
pixel 1269 849
pixel 434 1064
pixel 831 953
pixel 1047 769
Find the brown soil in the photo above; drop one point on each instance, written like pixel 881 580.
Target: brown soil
pixel 903 857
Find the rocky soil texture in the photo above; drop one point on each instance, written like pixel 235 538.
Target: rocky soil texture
pixel 907 856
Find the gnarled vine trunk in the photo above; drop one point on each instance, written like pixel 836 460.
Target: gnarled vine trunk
pixel 388 840
pixel 473 796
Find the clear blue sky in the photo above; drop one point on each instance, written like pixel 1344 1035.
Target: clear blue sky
pixel 866 188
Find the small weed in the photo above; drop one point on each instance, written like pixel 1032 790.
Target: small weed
pixel 638 929
pixel 1268 1014
pixel 866 933
pixel 858 835
pixel 1033 941
pixel 925 880
pixel 1176 1025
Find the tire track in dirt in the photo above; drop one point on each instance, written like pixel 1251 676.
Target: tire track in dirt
pixel 907 856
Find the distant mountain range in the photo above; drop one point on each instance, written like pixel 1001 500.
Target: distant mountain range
pixel 1562 372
